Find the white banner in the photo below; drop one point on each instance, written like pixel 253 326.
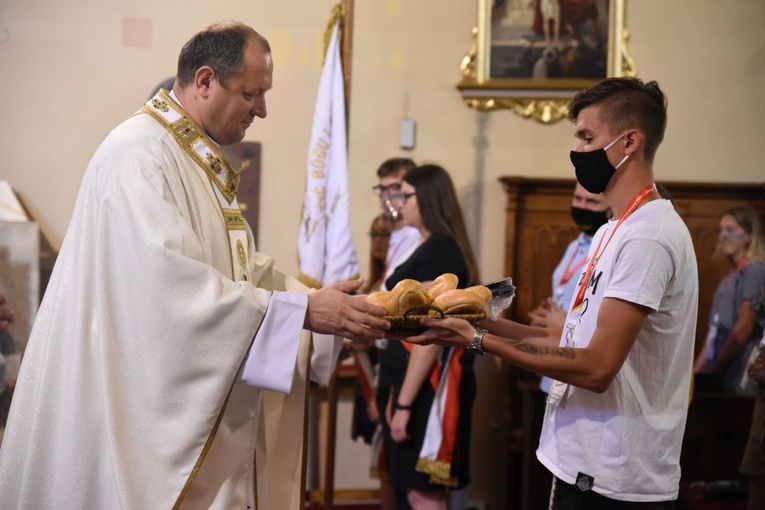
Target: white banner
pixel 325 245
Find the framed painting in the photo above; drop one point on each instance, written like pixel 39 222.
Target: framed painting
pixel 532 56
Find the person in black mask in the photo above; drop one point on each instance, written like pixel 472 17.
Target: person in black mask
pixel 589 211
pixel 615 417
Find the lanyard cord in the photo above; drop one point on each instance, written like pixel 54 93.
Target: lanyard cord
pixel 634 204
pixel 570 271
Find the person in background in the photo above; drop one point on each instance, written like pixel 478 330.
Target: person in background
pixel 589 211
pixel 616 412
pixel 165 339
pixel 379 242
pixel 428 203
pixel 366 417
pixel 734 326
pixel 404 238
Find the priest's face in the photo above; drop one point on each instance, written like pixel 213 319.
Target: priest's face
pixel 230 110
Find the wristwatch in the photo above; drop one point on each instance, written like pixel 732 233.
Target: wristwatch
pixel 476 345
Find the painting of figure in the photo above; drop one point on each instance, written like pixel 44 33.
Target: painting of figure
pixel 549 39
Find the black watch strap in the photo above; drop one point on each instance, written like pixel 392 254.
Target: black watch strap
pixel 397 406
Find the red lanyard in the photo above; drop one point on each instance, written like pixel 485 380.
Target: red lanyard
pixel 738 269
pixel 569 271
pixel 634 204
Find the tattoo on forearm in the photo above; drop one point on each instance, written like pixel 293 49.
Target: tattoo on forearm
pixel 538 350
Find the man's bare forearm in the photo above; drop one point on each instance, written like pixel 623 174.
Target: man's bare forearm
pixel 544 350
pixel 522 333
pixel 567 364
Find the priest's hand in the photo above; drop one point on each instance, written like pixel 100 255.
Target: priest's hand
pixel 332 311
pixel 6 314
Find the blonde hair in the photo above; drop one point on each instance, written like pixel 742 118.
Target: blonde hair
pixel 746 217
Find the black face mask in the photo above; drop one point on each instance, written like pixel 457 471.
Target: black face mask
pixel 589 221
pixel 593 171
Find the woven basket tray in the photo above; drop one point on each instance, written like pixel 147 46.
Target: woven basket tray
pixel 409 323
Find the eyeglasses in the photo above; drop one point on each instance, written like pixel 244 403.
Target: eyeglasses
pixel 379 235
pixel 402 196
pixel 386 190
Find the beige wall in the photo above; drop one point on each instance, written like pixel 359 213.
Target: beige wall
pixel 67 79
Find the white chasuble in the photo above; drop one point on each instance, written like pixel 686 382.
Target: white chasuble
pixel 130 394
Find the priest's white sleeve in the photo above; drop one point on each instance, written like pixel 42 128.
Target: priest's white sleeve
pixel 270 363
pixel 326 351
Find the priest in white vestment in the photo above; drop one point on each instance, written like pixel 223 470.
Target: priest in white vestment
pixel 169 362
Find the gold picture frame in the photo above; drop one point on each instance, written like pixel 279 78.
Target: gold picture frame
pixel 532 56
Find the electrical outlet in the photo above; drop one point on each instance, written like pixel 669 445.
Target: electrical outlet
pixel 406 134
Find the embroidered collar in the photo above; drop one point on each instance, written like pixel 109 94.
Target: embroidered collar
pixel 195 142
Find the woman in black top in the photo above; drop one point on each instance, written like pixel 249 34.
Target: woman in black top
pixel 429 203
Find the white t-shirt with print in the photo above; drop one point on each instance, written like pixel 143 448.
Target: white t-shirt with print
pixel 629 437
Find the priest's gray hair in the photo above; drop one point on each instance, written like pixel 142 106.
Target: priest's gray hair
pixel 220 46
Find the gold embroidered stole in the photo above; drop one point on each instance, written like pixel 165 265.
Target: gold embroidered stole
pixel 223 177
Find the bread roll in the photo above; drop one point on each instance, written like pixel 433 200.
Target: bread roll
pixel 459 301
pixel 379 298
pixel 482 292
pixel 405 295
pixel 446 281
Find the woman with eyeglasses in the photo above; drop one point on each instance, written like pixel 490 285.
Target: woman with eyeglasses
pixel 734 325
pixel 427 202
pixel 379 241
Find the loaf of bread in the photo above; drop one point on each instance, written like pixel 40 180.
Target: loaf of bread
pixel 458 301
pixel 483 293
pixel 379 298
pixel 406 294
pixel 442 293
pixel 446 281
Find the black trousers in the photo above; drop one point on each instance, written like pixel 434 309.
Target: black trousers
pixel 570 497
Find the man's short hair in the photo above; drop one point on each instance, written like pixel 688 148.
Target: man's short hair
pixel 627 103
pixel 220 46
pixel 395 166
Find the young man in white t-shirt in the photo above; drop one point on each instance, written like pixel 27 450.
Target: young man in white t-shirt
pixel 622 364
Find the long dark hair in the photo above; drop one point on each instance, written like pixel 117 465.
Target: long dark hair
pixel 440 210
